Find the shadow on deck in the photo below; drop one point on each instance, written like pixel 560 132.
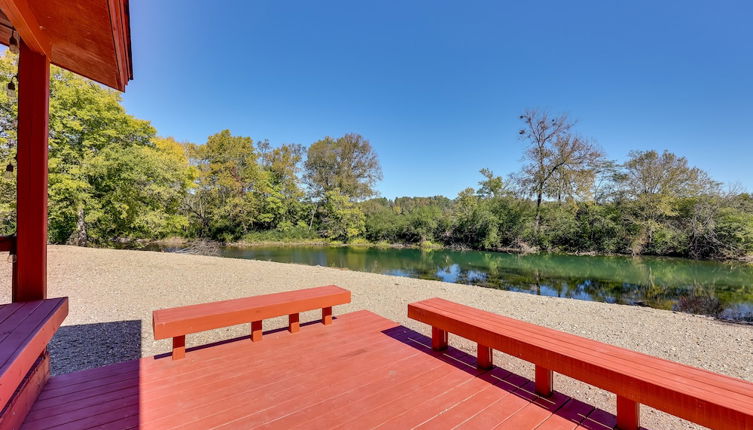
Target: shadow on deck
pixel 363 371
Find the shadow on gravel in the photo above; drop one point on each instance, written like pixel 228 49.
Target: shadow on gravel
pixel 86 346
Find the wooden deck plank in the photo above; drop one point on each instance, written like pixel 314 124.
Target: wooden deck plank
pixel 363 371
pixel 278 365
pixel 369 399
pixel 506 405
pixel 426 408
pixel 281 387
pixel 568 417
pixel 307 391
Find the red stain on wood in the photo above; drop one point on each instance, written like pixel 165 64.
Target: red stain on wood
pixel 369 373
pixel 439 339
pixel 628 414
pixel 484 356
pixel 17 409
pixel 694 394
pixel 327 315
pixel 256 331
pixel 90 38
pixel 31 245
pixel 179 347
pixel 180 321
pixel 544 381
pixel 294 323
pixel 25 330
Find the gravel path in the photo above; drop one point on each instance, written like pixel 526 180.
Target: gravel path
pixel 113 292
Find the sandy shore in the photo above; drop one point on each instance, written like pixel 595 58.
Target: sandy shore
pixel 113 292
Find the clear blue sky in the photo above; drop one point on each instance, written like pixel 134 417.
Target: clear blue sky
pixel 437 86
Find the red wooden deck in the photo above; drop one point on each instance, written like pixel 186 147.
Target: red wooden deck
pixel 361 372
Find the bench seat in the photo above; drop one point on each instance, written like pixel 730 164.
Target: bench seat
pixel 694 394
pixel 177 322
pixel 25 330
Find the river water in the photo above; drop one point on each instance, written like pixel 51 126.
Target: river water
pixel 724 290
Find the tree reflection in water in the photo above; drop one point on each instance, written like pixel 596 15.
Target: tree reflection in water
pixel 722 290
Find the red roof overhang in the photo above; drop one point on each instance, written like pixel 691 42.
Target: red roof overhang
pixel 88 37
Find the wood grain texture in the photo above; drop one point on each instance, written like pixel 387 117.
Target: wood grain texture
pixel 180 321
pixel 207 316
pixel 88 37
pixel 25 330
pixel 694 394
pixel 367 372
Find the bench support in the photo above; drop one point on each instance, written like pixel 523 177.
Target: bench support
pixel 544 381
pixel 294 323
pixel 179 347
pixel 256 331
pixel 439 339
pixel 327 315
pixel 485 357
pixel 628 414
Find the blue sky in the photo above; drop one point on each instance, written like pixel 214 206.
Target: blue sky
pixel 437 87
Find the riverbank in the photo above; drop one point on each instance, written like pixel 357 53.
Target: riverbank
pixel 113 293
pixel 523 249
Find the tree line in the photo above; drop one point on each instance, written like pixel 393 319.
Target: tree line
pixel 112 179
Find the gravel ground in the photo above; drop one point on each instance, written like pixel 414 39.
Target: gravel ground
pixel 113 292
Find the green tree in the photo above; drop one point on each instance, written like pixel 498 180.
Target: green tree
pixel 109 177
pixel 226 201
pixel 651 186
pixel 341 219
pixel 284 200
pixel 347 164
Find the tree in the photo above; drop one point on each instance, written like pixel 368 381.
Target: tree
pixel 341 218
pixel 283 202
pixel 558 162
pixel 226 201
pixel 648 173
pixel 136 192
pixel 347 164
pixel 651 185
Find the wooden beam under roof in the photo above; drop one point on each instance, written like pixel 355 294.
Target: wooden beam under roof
pixel 23 19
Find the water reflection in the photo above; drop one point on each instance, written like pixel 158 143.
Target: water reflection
pixel 723 290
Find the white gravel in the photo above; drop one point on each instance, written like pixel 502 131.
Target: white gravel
pixel 113 293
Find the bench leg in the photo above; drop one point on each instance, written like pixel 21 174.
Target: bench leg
pixel 544 381
pixel 485 357
pixel 256 331
pixel 179 347
pixel 439 339
pixel 327 315
pixel 294 323
pixel 628 414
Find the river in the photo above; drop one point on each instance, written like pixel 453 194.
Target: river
pixel 723 290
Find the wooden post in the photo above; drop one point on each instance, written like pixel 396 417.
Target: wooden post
pixel 179 347
pixel 544 381
pixel 256 331
pixel 439 339
pixel 485 358
pixel 628 414
pixel 33 118
pixel 294 323
pixel 327 315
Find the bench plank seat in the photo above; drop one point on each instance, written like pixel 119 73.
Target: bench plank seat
pixel 694 394
pixel 177 322
pixel 25 330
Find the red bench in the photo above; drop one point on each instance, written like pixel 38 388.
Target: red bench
pixel 176 323
pixel 697 395
pixel 25 330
